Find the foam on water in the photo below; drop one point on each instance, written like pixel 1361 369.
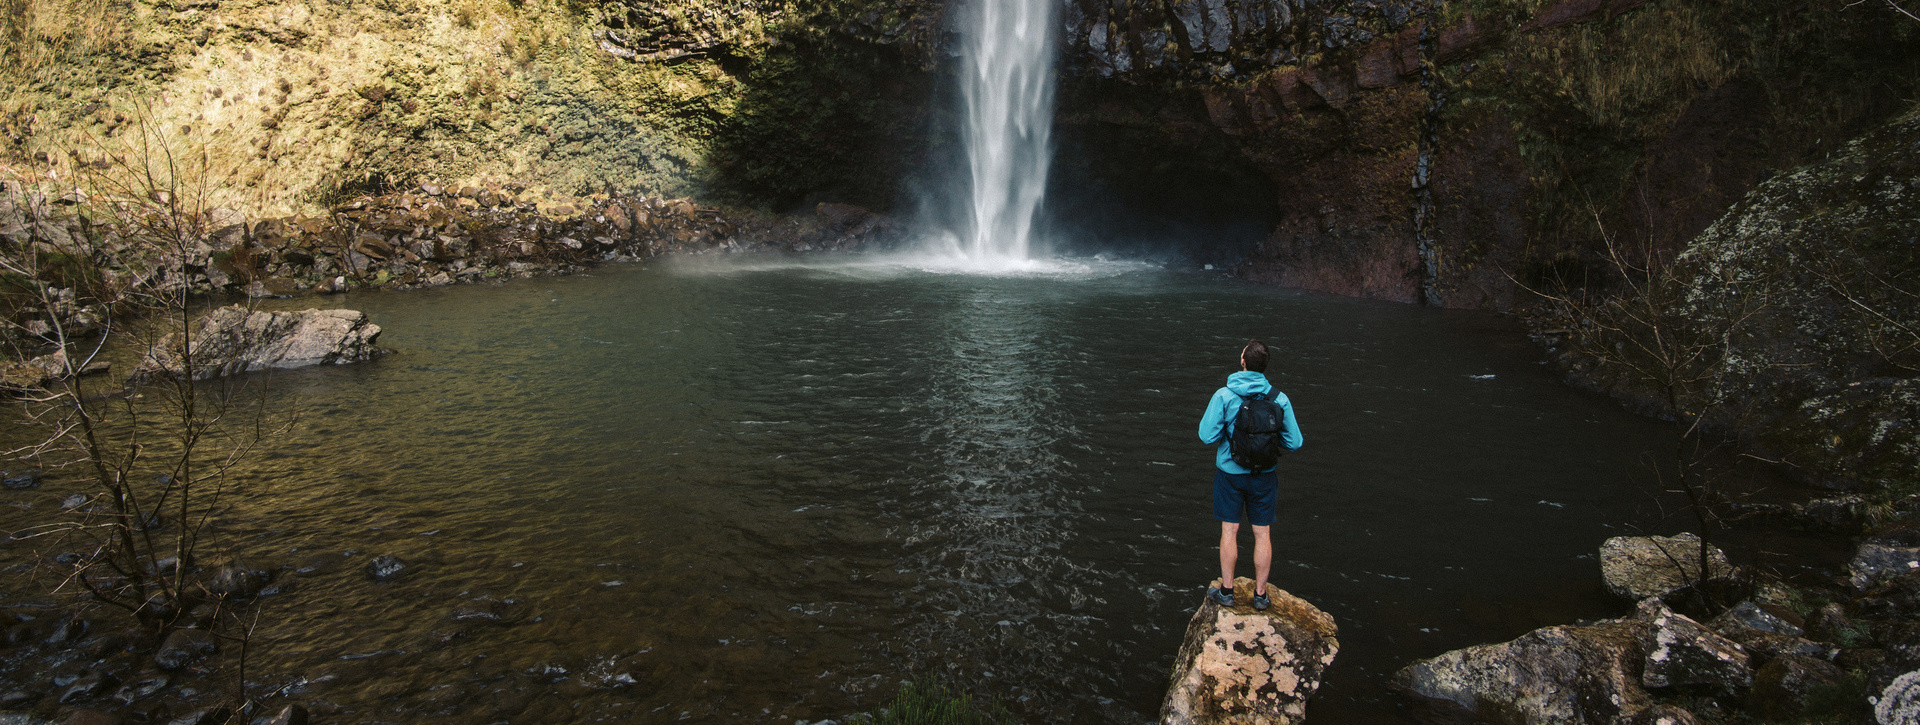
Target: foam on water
pixel 918 262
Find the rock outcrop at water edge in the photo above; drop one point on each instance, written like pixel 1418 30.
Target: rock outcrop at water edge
pixel 234 340
pixel 1565 674
pixel 1238 665
pixel 1637 567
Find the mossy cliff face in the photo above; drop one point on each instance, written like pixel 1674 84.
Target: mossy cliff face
pixel 294 106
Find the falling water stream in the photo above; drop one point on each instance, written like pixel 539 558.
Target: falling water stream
pixel 1007 89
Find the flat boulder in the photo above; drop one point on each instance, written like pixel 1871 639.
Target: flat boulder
pixel 1565 674
pixel 1238 665
pixel 1637 567
pixel 233 340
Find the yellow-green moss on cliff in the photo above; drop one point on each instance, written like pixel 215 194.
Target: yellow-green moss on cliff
pixel 295 103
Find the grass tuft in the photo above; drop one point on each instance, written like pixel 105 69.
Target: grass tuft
pixel 933 703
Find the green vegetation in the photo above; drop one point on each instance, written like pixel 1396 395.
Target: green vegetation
pixel 932 703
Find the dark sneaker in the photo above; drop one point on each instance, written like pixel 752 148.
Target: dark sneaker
pixel 1261 602
pixel 1221 596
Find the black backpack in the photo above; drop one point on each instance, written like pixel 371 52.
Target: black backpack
pixel 1255 440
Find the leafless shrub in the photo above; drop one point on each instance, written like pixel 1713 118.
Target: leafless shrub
pixel 1649 336
pixel 157 458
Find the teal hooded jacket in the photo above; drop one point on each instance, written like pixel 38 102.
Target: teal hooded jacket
pixel 1217 424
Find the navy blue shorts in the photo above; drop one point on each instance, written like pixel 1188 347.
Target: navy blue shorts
pixel 1254 493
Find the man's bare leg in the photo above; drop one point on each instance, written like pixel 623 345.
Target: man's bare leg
pixel 1262 557
pixel 1229 553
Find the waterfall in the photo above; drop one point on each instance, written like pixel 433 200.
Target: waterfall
pixel 1006 89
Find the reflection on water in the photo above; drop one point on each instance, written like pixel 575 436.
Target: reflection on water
pixel 740 490
pixel 994 546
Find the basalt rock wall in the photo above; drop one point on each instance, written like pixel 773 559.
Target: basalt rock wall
pixel 1552 127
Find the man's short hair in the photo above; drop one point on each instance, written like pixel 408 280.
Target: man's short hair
pixel 1254 355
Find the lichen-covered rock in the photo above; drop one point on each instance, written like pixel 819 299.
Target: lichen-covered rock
pixel 1637 567
pixel 1567 674
pixel 1684 652
pixel 234 340
pixel 1248 667
pixel 1899 703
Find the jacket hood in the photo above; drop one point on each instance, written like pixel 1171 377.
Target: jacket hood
pixel 1248 382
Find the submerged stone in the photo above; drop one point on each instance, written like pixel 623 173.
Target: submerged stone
pixel 383 568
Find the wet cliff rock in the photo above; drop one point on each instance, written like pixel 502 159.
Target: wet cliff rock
pixel 233 340
pixel 1238 665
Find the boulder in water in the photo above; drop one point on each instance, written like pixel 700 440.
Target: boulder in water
pixel 20 480
pixel 234 340
pixel 1238 665
pixel 1637 567
pixel 237 580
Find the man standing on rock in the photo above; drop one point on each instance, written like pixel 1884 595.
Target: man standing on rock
pixel 1251 424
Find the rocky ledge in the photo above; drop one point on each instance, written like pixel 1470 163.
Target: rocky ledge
pixel 1238 665
pixel 432 236
pixel 428 236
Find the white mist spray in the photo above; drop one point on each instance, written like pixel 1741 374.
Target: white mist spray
pixel 1006 88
